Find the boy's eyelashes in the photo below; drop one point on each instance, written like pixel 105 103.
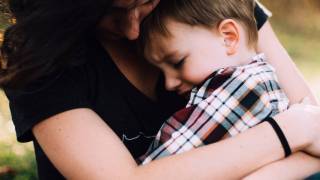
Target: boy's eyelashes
pixel 178 64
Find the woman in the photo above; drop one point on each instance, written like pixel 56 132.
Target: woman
pixel 77 89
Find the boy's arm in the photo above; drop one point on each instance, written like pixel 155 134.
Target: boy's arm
pixel 297 166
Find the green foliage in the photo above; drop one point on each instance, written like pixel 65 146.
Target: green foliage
pixel 16 158
pixel 4 14
pixel 20 160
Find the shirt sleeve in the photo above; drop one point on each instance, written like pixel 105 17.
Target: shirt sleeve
pixel 261 14
pixel 45 98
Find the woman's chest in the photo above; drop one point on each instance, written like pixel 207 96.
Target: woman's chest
pixel 134 118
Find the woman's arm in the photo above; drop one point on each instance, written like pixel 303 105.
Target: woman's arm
pixel 296 89
pixel 290 78
pixel 297 166
pixel 82 146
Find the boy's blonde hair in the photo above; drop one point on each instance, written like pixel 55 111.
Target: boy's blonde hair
pixel 206 13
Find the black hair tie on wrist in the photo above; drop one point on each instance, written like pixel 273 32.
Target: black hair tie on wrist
pixel 281 136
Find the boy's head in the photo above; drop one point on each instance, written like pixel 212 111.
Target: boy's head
pixel 189 39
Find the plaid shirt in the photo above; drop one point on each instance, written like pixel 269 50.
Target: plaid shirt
pixel 229 102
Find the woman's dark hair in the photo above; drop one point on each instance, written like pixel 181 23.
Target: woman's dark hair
pixel 47 36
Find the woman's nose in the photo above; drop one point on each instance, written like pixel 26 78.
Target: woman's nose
pixel 132 28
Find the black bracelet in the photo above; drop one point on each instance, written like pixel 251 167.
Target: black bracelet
pixel 281 136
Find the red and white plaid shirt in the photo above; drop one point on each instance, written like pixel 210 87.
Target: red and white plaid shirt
pixel 229 102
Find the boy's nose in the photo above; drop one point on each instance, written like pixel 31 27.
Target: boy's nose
pixel 172 83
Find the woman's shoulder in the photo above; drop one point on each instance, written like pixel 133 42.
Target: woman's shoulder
pixel 43 98
pixel 69 88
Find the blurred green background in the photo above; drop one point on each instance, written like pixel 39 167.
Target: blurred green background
pixel 296 23
pixel 17 160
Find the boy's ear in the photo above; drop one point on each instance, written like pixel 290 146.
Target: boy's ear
pixel 229 31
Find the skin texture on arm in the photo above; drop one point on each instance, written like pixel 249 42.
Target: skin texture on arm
pixel 82 146
pixel 298 165
pixel 289 76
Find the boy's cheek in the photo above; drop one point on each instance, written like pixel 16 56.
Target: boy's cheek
pixel 196 75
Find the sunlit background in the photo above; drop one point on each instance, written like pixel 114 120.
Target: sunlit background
pixel 296 23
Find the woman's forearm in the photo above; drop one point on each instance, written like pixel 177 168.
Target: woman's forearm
pixel 99 154
pixel 297 166
pixel 240 155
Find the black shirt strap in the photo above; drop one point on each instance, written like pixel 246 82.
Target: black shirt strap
pixel 261 15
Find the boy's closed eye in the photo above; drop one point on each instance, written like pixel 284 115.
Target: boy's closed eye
pixel 178 64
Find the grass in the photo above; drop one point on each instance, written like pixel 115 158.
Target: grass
pixel 19 159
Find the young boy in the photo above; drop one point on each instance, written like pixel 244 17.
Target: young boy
pixel 208 48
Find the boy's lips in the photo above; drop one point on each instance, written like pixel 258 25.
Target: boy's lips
pixel 184 93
